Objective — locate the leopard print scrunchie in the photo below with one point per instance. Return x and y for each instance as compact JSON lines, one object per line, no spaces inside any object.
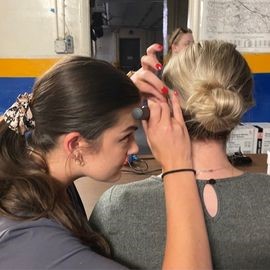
{"x":19,"y":116}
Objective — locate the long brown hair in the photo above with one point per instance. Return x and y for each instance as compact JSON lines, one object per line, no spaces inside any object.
{"x":77,"y":94}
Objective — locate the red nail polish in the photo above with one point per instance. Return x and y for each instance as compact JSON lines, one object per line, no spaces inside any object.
{"x":160,"y":47}
{"x":158,"y":66}
{"x":164,"y":90}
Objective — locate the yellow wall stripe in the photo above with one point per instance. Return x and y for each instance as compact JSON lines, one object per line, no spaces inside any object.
{"x":11,"y":67}
{"x":20,"y":67}
{"x":258,"y":62}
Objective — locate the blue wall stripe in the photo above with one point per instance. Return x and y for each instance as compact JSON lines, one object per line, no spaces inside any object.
{"x":261,"y":111}
{"x":11,"y":87}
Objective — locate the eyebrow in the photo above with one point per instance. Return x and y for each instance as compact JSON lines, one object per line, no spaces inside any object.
{"x":130,"y":128}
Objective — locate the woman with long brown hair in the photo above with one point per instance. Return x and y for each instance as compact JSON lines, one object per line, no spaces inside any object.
{"x":78,"y":122}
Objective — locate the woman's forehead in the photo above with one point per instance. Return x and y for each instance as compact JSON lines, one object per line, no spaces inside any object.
{"x":187,"y":36}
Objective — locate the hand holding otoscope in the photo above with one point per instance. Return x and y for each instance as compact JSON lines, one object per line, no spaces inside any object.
{"x":143,"y":112}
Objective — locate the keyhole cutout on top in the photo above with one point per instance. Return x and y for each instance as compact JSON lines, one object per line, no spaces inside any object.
{"x":210,"y":199}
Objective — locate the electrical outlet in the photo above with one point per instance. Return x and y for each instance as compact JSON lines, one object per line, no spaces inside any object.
{"x":65,"y":45}
{"x":60,"y":46}
{"x":69,"y":44}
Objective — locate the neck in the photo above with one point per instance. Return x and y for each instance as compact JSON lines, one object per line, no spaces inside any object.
{"x":210,"y":160}
{"x":59,"y":167}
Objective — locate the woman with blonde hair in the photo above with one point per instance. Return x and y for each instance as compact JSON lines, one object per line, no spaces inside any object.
{"x":179,"y":39}
{"x":215,"y":84}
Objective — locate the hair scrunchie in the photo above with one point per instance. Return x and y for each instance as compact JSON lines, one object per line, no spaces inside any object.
{"x":19,"y":117}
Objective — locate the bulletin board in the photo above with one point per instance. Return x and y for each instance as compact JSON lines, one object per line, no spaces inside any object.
{"x":245,"y":23}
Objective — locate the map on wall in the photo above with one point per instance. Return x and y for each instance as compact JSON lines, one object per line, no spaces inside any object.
{"x":245,"y":23}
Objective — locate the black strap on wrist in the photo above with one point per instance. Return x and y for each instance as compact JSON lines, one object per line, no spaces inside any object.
{"x":178,"y":170}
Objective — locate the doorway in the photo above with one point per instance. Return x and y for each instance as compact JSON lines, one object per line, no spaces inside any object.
{"x":129,"y":54}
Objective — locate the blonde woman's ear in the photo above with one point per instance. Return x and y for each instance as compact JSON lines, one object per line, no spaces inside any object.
{"x":174,"y":48}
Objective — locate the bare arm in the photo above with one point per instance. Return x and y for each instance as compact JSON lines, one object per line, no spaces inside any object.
{"x":187,"y":245}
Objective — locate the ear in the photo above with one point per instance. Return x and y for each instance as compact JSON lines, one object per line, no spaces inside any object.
{"x":174,"y":48}
{"x":72,"y":142}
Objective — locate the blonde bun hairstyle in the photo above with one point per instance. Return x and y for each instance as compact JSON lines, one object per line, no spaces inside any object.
{"x":215,"y":84}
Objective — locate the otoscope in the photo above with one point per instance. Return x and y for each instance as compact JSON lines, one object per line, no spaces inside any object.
{"x":143,"y":112}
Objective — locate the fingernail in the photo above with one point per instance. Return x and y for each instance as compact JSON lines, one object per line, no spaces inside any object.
{"x":160,"y":47}
{"x":158,"y":66}
{"x":164,"y":90}
{"x":175,"y":93}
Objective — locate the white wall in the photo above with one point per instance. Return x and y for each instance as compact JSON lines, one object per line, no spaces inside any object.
{"x":28,"y":27}
{"x":28,"y":30}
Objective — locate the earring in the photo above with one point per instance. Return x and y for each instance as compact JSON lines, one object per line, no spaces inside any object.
{"x":79,"y":159}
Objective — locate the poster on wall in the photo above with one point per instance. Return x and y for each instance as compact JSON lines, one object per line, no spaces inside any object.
{"x":246,"y":23}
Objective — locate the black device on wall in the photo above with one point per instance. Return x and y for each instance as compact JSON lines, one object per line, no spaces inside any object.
{"x":96,"y":26}
{"x":92,"y":3}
